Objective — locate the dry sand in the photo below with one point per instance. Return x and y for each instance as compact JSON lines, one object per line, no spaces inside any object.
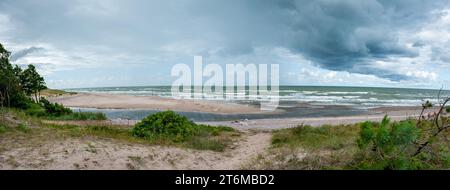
{"x":97,"y":153}
{"x":113,"y":101}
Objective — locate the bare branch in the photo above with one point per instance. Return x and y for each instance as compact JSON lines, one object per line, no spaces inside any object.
{"x":441,"y":109}
{"x":439,"y":129}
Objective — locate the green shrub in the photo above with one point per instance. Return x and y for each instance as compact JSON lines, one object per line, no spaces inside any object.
{"x":165,"y":124}
{"x":447,"y":109}
{"x":388,"y":145}
{"x":21,"y":101}
{"x":54,"y":109}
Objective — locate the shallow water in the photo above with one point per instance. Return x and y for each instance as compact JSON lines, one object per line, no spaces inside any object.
{"x":289,"y":112}
{"x":359,"y":97}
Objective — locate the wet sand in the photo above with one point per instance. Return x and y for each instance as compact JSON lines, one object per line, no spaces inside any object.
{"x":377,"y":114}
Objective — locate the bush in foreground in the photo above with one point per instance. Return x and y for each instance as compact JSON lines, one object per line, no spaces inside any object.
{"x":388,"y":145}
{"x":165,"y":124}
{"x":171,"y":127}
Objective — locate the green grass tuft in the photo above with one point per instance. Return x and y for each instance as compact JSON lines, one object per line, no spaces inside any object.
{"x":23,"y":128}
{"x":314,"y":138}
{"x":2,"y":128}
{"x":82,"y":116}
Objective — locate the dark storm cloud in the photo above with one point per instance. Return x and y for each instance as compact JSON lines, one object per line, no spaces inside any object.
{"x":339,"y":35}
{"x":22,"y":53}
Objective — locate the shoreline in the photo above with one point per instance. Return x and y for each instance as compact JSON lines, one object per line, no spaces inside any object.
{"x":281,"y":118}
{"x":123,"y":102}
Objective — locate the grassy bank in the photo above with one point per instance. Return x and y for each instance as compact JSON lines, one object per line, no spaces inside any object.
{"x":58,"y":112}
{"x":55,"y":92}
{"x":19,"y":125}
{"x":306,"y":147}
{"x":341,"y":147}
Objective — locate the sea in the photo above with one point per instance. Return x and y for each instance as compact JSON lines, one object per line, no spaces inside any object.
{"x":296,"y":101}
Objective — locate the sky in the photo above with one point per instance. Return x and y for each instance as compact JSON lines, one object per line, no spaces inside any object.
{"x":85,"y":43}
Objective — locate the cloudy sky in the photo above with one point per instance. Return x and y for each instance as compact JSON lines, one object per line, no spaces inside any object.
{"x":85,"y":43}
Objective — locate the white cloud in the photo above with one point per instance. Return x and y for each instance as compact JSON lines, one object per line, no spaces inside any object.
{"x":52,"y":59}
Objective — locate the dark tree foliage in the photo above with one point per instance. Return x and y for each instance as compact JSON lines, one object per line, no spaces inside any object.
{"x":17,"y":85}
{"x":9,"y":84}
{"x":31,"y":82}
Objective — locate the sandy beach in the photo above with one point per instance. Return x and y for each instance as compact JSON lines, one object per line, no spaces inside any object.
{"x":115,"y":101}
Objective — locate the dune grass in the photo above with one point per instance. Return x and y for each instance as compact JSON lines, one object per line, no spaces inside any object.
{"x":55,"y":92}
{"x":338,"y":147}
{"x":306,"y":147}
{"x":38,"y":111}
{"x":310,"y":148}
{"x":326,"y":137}
{"x":81,"y":116}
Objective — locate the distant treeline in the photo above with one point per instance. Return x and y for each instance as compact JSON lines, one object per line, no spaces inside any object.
{"x":18,"y":87}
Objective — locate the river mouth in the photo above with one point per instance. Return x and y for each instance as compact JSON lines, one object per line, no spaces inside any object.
{"x":288,"y":110}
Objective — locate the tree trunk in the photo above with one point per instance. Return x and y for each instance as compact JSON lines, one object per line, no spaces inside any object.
{"x":1,"y":108}
{"x":35,"y":97}
{"x":7,"y":97}
{"x":1,"y":98}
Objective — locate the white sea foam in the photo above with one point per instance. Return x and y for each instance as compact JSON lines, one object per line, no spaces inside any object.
{"x":313,"y":95}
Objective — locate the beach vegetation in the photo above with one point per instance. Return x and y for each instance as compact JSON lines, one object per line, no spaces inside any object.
{"x":54,"y":109}
{"x":2,"y":128}
{"x":17,"y":86}
{"x":203,"y":137}
{"x":80,"y":116}
{"x":414,"y":143}
{"x":165,"y":124}
{"x":30,"y":81}
{"x":22,"y":127}
{"x":388,"y":145}
{"x":55,"y":92}
{"x":21,"y":89}
{"x":170,"y":127}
